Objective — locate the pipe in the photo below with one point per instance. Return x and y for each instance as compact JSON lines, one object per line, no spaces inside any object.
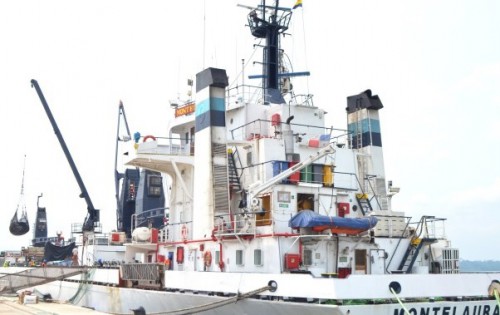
{"x":300,"y":250}
{"x":211,"y":239}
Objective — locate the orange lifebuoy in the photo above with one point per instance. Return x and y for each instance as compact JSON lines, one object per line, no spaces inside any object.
{"x":146,"y":138}
{"x":207,"y":258}
{"x":184,"y":232}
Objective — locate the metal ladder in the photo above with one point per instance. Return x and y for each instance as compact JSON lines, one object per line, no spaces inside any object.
{"x":416,"y":243}
{"x":234,"y":178}
{"x":220,"y":182}
{"x":364,"y":203}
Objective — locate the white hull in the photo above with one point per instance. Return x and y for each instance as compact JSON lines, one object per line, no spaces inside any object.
{"x":122,"y":300}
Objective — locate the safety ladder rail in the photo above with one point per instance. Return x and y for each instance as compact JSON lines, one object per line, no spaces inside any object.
{"x":234,"y":177}
{"x":401,"y":237}
{"x":360,"y":197}
{"x":416,"y":243}
{"x":369,"y":177}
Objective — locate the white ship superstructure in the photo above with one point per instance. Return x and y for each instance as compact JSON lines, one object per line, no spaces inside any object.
{"x":272,"y":212}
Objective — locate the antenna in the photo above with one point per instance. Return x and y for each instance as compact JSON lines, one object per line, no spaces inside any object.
{"x":204,"y":31}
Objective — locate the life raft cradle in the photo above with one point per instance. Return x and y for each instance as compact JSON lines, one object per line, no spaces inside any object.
{"x":20,"y":226}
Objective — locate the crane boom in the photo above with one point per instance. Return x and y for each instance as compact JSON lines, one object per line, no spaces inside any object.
{"x":254,"y":191}
{"x":92,"y":217}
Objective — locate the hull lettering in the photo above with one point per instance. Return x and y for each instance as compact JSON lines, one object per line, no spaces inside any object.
{"x":451,"y":310}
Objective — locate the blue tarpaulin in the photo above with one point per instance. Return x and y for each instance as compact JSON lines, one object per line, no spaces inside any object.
{"x":310,"y":219}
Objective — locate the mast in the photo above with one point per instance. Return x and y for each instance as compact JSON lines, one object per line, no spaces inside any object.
{"x":270,"y":26}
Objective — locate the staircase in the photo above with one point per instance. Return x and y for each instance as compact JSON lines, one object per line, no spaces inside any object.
{"x":415,"y":245}
{"x":234,"y":178}
{"x":364,"y":203}
{"x":220,"y":184}
{"x":412,"y":253}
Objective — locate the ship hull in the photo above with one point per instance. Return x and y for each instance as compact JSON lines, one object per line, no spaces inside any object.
{"x":121,"y":300}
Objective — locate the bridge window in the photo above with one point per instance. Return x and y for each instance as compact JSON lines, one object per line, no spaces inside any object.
{"x":154,"y":186}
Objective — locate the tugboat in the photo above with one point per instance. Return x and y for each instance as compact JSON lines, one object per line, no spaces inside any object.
{"x":271,"y":212}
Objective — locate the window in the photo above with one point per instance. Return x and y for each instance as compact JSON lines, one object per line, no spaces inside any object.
{"x":217,"y":257}
{"x":154,"y":180}
{"x":307,"y":257}
{"x":154,"y":191}
{"x":239,"y":257}
{"x":257,"y":257}
{"x":283,"y":196}
{"x":154,"y":186}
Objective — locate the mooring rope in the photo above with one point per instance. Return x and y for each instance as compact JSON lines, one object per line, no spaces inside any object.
{"x":400,"y":302}
{"x":209,"y":306}
{"x":83,"y":286}
{"x":495,"y":292}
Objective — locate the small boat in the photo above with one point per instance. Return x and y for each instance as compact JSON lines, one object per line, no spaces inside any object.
{"x":336,"y":224}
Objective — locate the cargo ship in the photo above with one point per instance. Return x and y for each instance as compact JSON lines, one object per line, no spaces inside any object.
{"x":272,"y":212}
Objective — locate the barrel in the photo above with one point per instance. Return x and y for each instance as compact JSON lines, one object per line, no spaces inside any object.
{"x":328,"y":175}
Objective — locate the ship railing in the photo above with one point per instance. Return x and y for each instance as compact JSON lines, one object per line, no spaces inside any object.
{"x":176,"y":231}
{"x":146,"y":218}
{"x":244,"y":223}
{"x":303,"y":99}
{"x":77,"y":228}
{"x":239,"y":95}
{"x":244,"y":94}
{"x":262,"y":128}
{"x":429,"y":227}
{"x":165,"y":145}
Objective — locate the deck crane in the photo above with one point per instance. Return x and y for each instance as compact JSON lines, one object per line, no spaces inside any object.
{"x":92,"y":219}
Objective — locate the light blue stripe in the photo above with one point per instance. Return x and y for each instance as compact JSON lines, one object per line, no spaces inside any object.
{"x":375,"y":123}
{"x":213,"y":103}
{"x":202,"y":107}
{"x":365,"y":126}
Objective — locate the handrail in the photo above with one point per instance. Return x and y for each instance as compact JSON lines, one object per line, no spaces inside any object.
{"x":147,"y":215}
{"x":397,"y":245}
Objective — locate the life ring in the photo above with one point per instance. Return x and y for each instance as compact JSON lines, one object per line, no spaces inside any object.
{"x":184,"y":232}
{"x":207,"y":258}
{"x":149,"y":137}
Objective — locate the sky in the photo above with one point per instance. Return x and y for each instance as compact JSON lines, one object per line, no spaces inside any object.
{"x":434,"y":64}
